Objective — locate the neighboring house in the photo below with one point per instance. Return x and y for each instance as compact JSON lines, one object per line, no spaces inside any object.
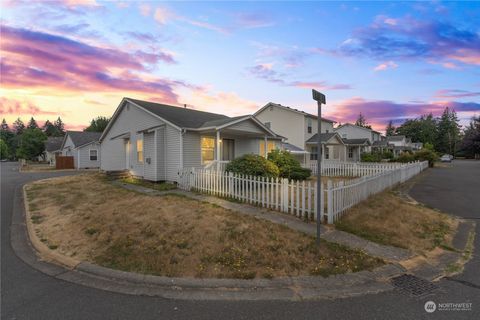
{"x":358,"y":139}
{"x":417,"y":146}
{"x":400,"y":144}
{"x":84,"y":147}
{"x":53,"y":148}
{"x":298,"y":127}
{"x":153,"y":141}
{"x":333,"y":147}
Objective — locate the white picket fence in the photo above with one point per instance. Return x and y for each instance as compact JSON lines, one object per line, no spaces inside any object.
{"x":351,"y":169}
{"x":295,"y":197}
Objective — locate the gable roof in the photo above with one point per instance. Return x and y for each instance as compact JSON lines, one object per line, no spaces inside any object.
{"x":324,"y":138}
{"x":354,"y":125}
{"x":364,"y":141}
{"x":293,"y":149}
{"x":53,"y":144}
{"x":395,"y":138}
{"x":80,"y":138}
{"x":271,"y":104}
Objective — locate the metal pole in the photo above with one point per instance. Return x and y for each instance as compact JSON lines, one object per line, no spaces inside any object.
{"x":319,"y":169}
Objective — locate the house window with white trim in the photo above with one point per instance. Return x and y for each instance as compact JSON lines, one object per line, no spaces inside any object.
{"x":314,"y":153}
{"x":93,"y":155}
{"x":140,"y":150}
{"x":208,"y":149}
{"x":309,"y":125}
{"x":327,"y":153}
{"x":270,"y":146}
{"x":350,"y":152}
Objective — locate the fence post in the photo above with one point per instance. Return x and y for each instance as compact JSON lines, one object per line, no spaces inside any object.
{"x":330,"y":201}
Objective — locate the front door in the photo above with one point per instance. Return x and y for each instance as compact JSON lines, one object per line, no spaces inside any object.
{"x":228,"y":149}
{"x":128,"y":146}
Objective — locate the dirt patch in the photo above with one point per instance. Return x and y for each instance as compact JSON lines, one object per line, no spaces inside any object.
{"x":388,"y":219}
{"x":88,"y":218}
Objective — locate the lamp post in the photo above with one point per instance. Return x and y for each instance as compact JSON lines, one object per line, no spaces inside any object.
{"x":320,"y":98}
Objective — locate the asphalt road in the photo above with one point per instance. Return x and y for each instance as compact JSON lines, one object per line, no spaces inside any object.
{"x":29,"y":294}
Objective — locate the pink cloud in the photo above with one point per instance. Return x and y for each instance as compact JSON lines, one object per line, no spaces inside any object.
{"x":18,"y":108}
{"x":449,"y":93}
{"x":385,"y":66}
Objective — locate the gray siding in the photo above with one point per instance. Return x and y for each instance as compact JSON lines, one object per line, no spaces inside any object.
{"x":192,"y":150}
{"x":247,"y":125}
{"x":173,"y":154}
{"x":161,"y":151}
{"x":149,"y":153}
{"x":83,"y":160}
{"x":130,"y":120}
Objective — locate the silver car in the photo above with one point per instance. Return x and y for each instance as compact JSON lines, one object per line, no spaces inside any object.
{"x":446,"y":158}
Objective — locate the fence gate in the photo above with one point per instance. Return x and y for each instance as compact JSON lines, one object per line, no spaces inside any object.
{"x":64,"y":162}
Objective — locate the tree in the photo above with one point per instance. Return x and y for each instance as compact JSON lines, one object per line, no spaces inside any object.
{"x":98,"y":124}
{"x":32,"y":124}
{"x":471,"y":139}
{"x":448,"y":132}
{"x":50,"y":129}
{"x":4,"y":152}
{"x":362,"y":122}
{"x":60,"y":127}
{"x":4,"y":126}
{"x":31,"y":144}
{"x":8,"y":138}
{"x":423,"y":129}
{"x":18,"y":126}
{"x":390,"y":129}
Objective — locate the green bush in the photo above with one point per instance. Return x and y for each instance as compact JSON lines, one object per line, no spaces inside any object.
{"x":405,"y":157}
{"x":387,"y":154}
{"x":253,"y":165}
{"x":370,"y":157}
{"x":289,"y":167}
{"x":426,"y":155}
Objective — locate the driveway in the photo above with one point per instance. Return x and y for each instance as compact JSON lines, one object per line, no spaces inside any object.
{"x":29,"y":294}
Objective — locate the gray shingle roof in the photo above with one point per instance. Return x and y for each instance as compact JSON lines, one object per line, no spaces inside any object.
{"x":80,"y":138}
{"x":356,"y":141}
{"x":324,"y":137}
{"x":395,"y":138}
{"x":182,"y":117}
{"x":380,"y":143}
{"x":295,"y":110}
{"x":292,"y":148}
{"x":53,"y":144}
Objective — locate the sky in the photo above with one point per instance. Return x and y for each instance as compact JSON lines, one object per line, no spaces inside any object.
{"x":77,"y":59}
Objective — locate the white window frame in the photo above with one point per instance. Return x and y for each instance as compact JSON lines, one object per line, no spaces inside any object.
{"x":140,"y":138}
{"x":90,"y":154}
{"x":309,"y":125}
{"x":203,"y":162}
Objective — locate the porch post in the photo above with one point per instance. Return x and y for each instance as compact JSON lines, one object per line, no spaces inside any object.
{"x":345,"y":153}
{"x":323,"y":153}
{"x":266,"y":148}
{"x":359,"y":156}
{"x":217,"y":147}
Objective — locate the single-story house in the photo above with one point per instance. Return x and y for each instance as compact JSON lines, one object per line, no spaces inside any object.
{"x":355,"y":148}
{"x":333,"y":147}
{"x":53,"y":148}
{"x":84,"y":147}
{"x":154,"y":141}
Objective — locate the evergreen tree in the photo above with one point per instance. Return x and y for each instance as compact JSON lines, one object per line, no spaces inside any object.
{"x":18,"y":126}
{"x":50,"y":129}
{"x":362,"y":122}
{"x":471,"y":138}
{"x":31,"y":144}
{"x":448,"y":132}
{"x":60,"y":127}
{"x":390,"y":129}
{"x":4,"y":126}
{"x":32,"y":124}
{"x":98,"y":124}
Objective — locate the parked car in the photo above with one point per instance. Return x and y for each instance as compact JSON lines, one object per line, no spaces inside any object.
{"x":446,"y":158}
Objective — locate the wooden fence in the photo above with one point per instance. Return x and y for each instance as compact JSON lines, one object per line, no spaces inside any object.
{"x":64,"y":162}
{"x":295,"y":197}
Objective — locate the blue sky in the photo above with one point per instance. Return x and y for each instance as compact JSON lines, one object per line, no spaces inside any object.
{"x":388,"y":60}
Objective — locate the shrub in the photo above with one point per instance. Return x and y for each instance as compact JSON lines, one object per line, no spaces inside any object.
{"x":387,"y":154}
{"x":254,"y":165}
{"x":370,"y":157}
{"x":426,"y":155}
{"x":289,"y":167}
{"x":405,"y":157}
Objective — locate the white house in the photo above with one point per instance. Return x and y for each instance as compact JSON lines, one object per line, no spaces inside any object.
{"x":357,"y":139}
{"x":153,"y":141}
{"x":400,"y":144}
{"x":299,"y":128}
{"x":53,"y":149}
{"x":84,"y":147}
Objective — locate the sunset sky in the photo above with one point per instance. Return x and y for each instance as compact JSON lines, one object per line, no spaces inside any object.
{"x":77,"y":59}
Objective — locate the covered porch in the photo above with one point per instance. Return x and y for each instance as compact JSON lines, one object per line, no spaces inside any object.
{"x":333,"y":148}
{"x":355,"y":147}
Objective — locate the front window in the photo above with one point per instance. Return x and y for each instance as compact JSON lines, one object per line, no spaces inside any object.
{"x":270,"y":146}
{"x":327,"y":153}
{"x":309,"y":125}
{"x":93,"y":155}
{"x":314,"y":153}
{"x":350,"y":152}
{"x":208,"y":149}
{"x":140,"y":150}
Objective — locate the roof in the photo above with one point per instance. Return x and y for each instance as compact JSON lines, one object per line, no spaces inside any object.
{"x":182,"y":117}
{"x":380,"y":143}
{"x":292,"y":148}
{"x":80,"y":138}
{"x":324,"y":137}
{"x":53,"y":144}
{"x":271,"y":104}
{"x":354,"y":125}
{"x":395,"y":138}
{"x":356,"y":141}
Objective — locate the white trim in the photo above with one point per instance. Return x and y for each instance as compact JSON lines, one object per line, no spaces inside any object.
{"x":181,"y":148}
{"x":78,"y":159}
{"x":89,"y":155}
{"x":155,"y":134}
{"x":271,"y":104}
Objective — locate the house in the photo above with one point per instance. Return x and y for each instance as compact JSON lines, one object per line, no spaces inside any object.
{"x":400,"y":144}
{"x":84,"y":147}
{"x":153,"y":141}
{"x":53,"y":148}
{"x":358,"y":139}
{"x":299,"y":128}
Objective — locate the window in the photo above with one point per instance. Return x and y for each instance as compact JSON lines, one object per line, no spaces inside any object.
{"x":270,"y":146}
{"x":350,"y":152}
{"x":327,"y":153}
{"x":93,"y":155}
{"x":309,"y":125}
{"x":268,"y":125}
{"x":314,"y":153}
{"x":208,"y":149}
{"x":344,"y":135}
{"x":140,"y":150}
{"x":326,"y":131}
{"x":228,"y":149}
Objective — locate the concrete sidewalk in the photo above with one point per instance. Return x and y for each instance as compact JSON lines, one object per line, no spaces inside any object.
{"x":387,"y":253}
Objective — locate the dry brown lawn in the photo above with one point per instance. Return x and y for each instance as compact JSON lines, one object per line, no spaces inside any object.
{"x":387,"y":218}
{"x":37,"y":167}
{"x":89,"y":219}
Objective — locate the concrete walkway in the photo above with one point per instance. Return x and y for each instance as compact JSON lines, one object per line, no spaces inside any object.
{"x":387,"y":253}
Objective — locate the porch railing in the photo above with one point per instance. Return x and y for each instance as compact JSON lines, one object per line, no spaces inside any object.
{"x":216,"y":165}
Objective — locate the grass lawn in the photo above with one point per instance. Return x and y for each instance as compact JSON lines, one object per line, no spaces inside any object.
{"x":35,"y":167}
{"x":87,"y":218}
{"x":161,"y":186}
{"x":388,"y":219}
